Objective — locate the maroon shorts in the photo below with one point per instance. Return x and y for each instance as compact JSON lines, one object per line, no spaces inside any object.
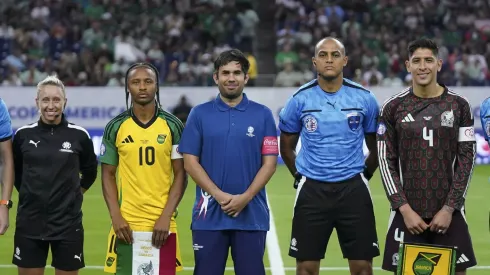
{"x":456,"y":235}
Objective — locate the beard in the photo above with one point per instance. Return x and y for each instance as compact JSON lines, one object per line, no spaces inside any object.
{"x":230,"y":94}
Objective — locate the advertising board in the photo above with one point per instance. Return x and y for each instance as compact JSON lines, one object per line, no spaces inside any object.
{"x":93,"y":107}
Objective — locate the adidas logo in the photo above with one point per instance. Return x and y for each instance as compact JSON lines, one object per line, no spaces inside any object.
{"x":128,"y":139}
{"x":462,"y":259}
{"x":408,"y":118}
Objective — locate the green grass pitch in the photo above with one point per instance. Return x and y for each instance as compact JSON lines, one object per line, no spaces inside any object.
{"x":281,"y":198}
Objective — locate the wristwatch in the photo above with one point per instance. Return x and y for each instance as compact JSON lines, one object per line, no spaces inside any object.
{"x":7,"y":203}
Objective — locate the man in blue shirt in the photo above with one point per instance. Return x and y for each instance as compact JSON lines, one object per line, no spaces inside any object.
{"x":333,"y":116}
{"x":485,"y":119}
{"x":8,"y":166}
{"x":230,"y":149}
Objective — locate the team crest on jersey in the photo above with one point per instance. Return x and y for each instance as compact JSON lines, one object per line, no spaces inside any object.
{"x":447,"y":119}
{"x":310,"y":123}
{"x":354,"y":120}
{"x":381,"y":129}
{"x":161,"y":138}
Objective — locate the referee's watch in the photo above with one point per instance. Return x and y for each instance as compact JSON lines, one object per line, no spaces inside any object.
{"x":7,"y":203}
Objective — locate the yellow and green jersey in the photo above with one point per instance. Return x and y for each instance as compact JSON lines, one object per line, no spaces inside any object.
{"x":143,"y":154}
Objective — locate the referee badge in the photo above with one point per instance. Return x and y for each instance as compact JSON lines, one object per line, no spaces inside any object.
{"x":310,"y":123}
{"x":487,"y":127}
{"x":354,"y":120}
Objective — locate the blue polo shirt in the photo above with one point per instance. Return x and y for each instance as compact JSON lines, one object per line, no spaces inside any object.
{"x":485,"y":118}
{"x":230,"y":143}
{"x":5,"y":122}
{"x":332,"y":128}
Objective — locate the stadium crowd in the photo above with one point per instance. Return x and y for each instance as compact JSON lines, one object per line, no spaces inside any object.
{"x":376,"y":33}
{"x":92,"y":42}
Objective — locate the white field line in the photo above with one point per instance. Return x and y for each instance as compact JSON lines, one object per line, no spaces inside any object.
{"x":273,"y":249}
{"x":337,"y":268}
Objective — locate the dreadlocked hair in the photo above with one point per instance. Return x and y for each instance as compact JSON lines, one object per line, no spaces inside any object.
{"x":142,"y":65}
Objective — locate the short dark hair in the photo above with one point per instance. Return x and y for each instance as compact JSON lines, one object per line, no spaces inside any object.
{"x":230,"y":56}
{"x":423,"y":43}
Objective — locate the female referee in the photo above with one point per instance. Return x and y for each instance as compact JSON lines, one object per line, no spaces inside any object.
{"x":54,"y":164}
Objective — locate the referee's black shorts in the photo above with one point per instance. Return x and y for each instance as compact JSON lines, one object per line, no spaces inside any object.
{"x":320,"y":207}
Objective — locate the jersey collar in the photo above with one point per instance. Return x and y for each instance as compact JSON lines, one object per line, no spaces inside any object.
{"x":63,"y":122}
{"x":446,"y":90}
{"x":141,"y":124}
{"x":222,"y":106}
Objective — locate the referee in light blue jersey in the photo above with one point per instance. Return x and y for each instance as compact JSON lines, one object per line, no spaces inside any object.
{"x":6,"y":156}
{"x":485,"y":119}
{"x":333,"y":116}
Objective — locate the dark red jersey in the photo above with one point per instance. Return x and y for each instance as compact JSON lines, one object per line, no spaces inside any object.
{"x":426,"y":149}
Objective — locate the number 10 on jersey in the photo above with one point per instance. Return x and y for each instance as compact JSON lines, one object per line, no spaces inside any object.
{"x":428,"y":135}
{"x":146,"y":155}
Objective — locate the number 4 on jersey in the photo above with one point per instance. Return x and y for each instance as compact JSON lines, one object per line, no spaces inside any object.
{"x":429,"y":136}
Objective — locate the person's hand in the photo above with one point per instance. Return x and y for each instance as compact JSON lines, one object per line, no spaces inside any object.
{"x":297,"y":179}
{"x":414,"y":223}
{"x":236,"y":205}
{"x":160,"y":231}
{"x":441,"y":221}
{"x":4,"y":219}
{"x":122,"y":229}
{"x":223,"y":198}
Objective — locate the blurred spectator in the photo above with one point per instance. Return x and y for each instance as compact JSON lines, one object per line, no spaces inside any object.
{"x":116,"y":79}
{"x":289,"y":76}
{"x":377,"y":32}
{"x":32,"y":76}
{"x":248,"y":19}
{"x":373,"y":76}
{"x":13,"y":79}
{"x":392,"y":80}
{"x":253,"y":70}
{"x":92,"y":42}
{"x":286,"y":55}
{"x":182,"y":109}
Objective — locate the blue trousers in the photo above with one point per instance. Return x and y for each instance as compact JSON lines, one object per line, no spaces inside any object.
{"x":211,"y":251}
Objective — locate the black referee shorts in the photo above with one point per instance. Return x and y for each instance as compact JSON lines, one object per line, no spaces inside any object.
{"x":320,"y":207}
{"x":67,"y":254}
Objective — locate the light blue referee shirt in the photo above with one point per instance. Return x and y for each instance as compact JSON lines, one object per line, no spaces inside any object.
{"x":332,"y":128}
{"x":485,"y":118}
{"x":5,"y":123}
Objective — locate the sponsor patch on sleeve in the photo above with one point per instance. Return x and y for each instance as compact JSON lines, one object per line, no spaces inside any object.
{"x":270,"y":146}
